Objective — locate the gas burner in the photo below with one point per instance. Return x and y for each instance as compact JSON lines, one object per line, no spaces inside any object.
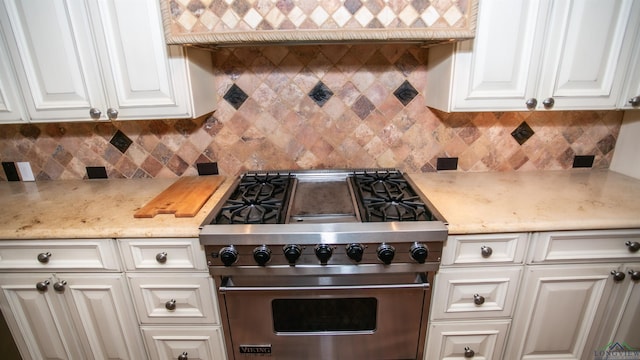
{"x":258,"y":199}
{"x":386,"y":196}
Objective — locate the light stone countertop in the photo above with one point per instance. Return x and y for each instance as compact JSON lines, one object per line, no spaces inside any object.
{"x":470,"y":202}
{"x":67,"y":209}
{"x":490,"y":202}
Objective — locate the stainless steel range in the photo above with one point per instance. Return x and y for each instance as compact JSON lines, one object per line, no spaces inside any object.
{"x":324,"y":264}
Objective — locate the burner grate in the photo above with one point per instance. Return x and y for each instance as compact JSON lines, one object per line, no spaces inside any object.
{"x":259,"y":199}
{"x":387,"y":196}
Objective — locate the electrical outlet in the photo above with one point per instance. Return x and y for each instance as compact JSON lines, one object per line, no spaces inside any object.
{"x":24,"y":168}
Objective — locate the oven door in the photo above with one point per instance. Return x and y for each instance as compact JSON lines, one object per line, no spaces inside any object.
{"x":327,"y":317}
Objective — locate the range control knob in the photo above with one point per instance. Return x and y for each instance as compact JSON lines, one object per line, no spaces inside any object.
{"x":419,"y":252}
{"x":262,"y":255}
{"x":323,"y":252}
{"x":355,"y":251}
{"x":292,"y":252}
{"x":228,"y":255}
{"x":386,"y":253}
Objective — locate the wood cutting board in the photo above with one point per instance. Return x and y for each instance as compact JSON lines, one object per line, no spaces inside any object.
{"x":183,"y":198}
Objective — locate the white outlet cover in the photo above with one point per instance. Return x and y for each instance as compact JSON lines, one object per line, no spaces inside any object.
{"x":24,"y":168}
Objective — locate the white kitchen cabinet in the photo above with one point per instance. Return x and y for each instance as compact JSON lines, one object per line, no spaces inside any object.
{"x":537,"y":54}
{"x":175,"y":298}
{"x":182,"y":343}
{"x":11,"y":107}
{"x":630,"y":98}
{"x":467,"y":340}
{"x":474,"y":295}
{"x":69,"y":300}
{"x":103,"y":59}
{"x":578,"y":295}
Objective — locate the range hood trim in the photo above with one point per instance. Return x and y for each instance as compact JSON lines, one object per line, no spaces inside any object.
{"x":423,"y":36}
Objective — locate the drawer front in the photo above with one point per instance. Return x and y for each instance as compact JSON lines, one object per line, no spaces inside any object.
{"x":174,"y":299}
{"x":484,"y":249}
{"x":48,"y":255}
{"x":202,"y":343}
{"x":578,"y":246}
{"x":478,"y":340}
{"x":163,"y":254}
{"x":475,"y":293}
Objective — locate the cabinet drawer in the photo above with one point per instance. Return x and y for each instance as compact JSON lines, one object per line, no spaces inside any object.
{"x":577,"y":246}
{"x":174,"y":299}
{"x":450,"y":340}
{"x":475,"y":293}
{"x":203,"y":343}
{"x":160,"y":254}
{"x":47,"y":255}
{"x":484,"y":249}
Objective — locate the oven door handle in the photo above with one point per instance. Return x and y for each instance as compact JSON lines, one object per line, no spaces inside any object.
{"x":227,"y":285}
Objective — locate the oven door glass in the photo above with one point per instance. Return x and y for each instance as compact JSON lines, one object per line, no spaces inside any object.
{"x":324,"y":315}
{"x":326,"y":322}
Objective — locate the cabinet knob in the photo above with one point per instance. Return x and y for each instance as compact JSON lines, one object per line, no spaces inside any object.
{"x":171,"y":304}
{"x":617,"y":275}
{"x":468,"y":353}
{"x":633,"y":246}
{"x":479,"y":299}
{"x":635,"y":101}
{"x":531,"y":103}
{"x":486,"y":251}
{"x":635,"y":275}
{"x":43,"y":285}
{"x":59,"y":286}
{"x":183,"y":356}
{"x":44,"y":257}
{"x":95,"y":113}
{"x":161,"y":257}
{"x":548,"y":103}
{"x":112,"y":113}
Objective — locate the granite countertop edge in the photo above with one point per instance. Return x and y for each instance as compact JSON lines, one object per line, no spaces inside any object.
{"x":471,"y":203}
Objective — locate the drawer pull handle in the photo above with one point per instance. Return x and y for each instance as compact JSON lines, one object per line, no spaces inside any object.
{"x":548,"y":103}
{"x":44,"y":257}
{"x":633,"y":246}
{"x":161,"y":257}
{"x":531,"y":103}
{"x":486,"y":251}
{"x":635,"y":275}
{"x":43,"y":285}
{"x":635,"y":101}
{"x":468,"y":353}
{"x":183,"y":356}
{"x":617,"y":275}
{"x":59,"y":286}
{"x":478,"y":299}
{"x":171,"y":304}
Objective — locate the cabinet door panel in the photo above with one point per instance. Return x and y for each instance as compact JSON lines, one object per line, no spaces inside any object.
{"x":104,"y":315}
{"x":558,"y":308}
{"x":144,"y":77}
{"x":39,"y":322}
{"x":11,"y":109}
{"x":60,"y":74}
{"x":586,"y":53}
{"x":498,"y":69}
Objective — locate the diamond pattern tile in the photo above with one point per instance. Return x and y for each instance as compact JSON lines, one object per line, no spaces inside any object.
{"x":268,"y":120}
{"x":320,"y":94}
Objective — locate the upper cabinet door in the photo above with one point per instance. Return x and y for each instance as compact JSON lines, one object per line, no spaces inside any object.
{"x":142,"y":79}
{"x":630,"y":98}
{"x":586,"y":53}
{"x":11,"y":108}
{"x":499,"y":68}
{"x":537,"y":55}
{"x":54,"y":57}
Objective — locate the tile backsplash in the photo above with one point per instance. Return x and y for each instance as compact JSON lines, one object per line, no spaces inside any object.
{"x":316,"y":107}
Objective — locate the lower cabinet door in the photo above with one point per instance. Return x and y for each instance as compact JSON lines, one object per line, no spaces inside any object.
{"x":558,"y":309}
{"x":451,"y":340}
{"x":192,"y":343}
{"x":38,"y":320}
